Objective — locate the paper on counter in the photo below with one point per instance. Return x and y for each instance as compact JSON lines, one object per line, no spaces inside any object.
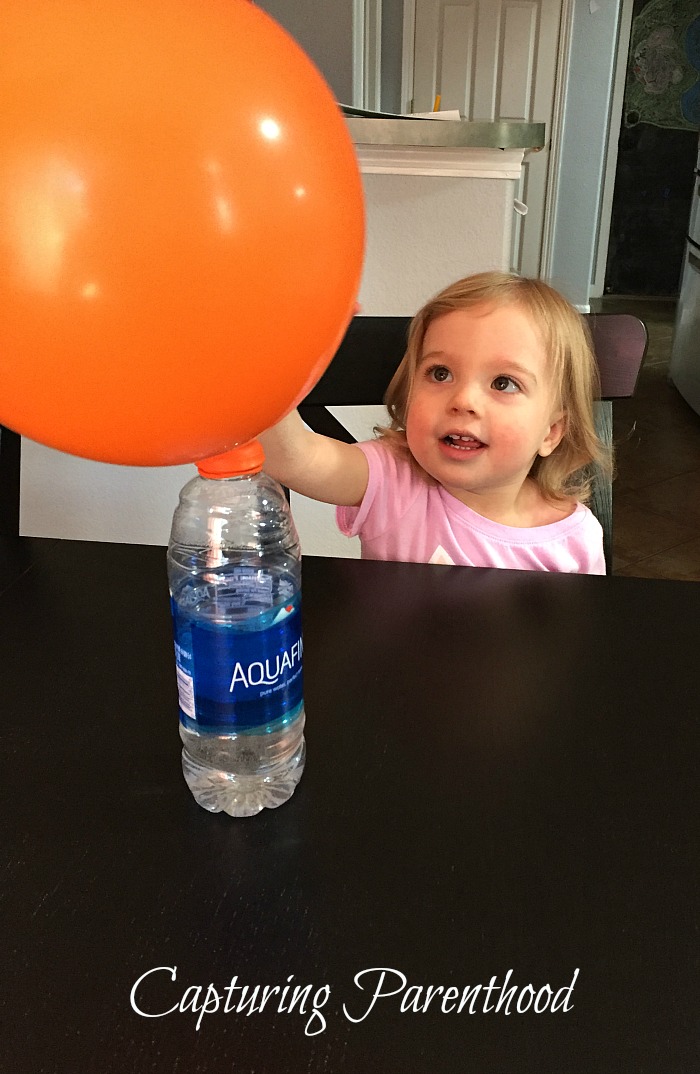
{"x":446,"y":113}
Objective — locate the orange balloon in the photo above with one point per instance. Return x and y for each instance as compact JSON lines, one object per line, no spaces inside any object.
{"x":181,"y":226}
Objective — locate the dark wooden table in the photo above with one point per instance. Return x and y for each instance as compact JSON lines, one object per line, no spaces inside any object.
{"x":501,"y":788}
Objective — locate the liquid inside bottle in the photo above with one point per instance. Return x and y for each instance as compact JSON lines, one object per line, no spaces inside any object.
{"x":238,"y":646}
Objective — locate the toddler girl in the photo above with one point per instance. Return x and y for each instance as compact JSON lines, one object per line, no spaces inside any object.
{"x":485,"y":461}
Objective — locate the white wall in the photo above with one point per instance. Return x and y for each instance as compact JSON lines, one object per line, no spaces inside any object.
{"x":324,"y":29}
{"x":76,"y":499}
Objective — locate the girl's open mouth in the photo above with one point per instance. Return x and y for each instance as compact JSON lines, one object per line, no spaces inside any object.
{"x":462,"y":443}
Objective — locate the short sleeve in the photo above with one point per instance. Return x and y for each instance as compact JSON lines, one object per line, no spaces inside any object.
{"x":391,"y":488}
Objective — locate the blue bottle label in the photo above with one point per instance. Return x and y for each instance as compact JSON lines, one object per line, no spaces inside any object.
{"x":233,"y":680}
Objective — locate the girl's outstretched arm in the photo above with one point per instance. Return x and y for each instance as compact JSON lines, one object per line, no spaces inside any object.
{"x":314,"y":465}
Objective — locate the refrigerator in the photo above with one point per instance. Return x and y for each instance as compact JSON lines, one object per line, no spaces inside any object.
{"x":684,"y":369}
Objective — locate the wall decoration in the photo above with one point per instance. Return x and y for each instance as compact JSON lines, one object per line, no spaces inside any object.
{"x":663,"y":74}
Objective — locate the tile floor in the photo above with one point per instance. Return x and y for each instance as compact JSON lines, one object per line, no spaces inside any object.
{"x":656,"y":494}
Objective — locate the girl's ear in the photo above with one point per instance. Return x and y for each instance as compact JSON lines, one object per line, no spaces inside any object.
{"x":554,"y":436}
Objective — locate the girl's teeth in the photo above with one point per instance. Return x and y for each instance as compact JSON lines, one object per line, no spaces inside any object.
{"x":465,"y":443}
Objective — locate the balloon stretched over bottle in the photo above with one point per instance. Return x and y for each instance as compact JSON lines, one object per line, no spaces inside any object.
{"x":181,"y":226}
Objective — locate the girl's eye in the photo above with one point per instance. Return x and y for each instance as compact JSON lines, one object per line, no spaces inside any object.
{"x":505,"y":384}
{"x":438,"y":373}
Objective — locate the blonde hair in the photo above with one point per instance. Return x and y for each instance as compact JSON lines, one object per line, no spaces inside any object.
{"x":566,"y":474}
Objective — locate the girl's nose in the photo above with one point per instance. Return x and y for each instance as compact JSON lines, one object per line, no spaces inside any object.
{"x":465,"y":398}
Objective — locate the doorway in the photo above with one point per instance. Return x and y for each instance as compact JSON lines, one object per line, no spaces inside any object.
{"x":657,"y":151}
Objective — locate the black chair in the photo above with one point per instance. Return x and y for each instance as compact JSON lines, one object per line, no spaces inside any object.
{"x":360,"y":373}
{"x":10,"y":447}
{"x":620,"y":344}
{"x":373,"y":347}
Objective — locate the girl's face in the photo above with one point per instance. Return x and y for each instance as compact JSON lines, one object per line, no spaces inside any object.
{"x":482,"y":406}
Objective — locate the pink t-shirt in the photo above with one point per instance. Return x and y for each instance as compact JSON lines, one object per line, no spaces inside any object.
{"x":404,"y":517}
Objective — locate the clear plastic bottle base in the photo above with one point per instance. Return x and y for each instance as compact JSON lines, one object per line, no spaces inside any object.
{"x":243,"y":796}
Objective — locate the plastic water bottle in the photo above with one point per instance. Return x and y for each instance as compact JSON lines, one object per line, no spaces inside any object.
{"x":234,"y":569}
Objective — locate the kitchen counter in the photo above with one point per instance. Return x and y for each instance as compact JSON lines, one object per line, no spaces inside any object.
{"x":406,"y":131}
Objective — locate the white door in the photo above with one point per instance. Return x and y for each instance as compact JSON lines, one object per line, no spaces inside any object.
{"x":495,"y":59}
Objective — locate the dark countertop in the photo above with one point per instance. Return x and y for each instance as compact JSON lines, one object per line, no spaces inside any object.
{"x":502,"y":782}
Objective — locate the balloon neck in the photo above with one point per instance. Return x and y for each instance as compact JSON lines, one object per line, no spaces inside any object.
{"x":244,"y":459}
